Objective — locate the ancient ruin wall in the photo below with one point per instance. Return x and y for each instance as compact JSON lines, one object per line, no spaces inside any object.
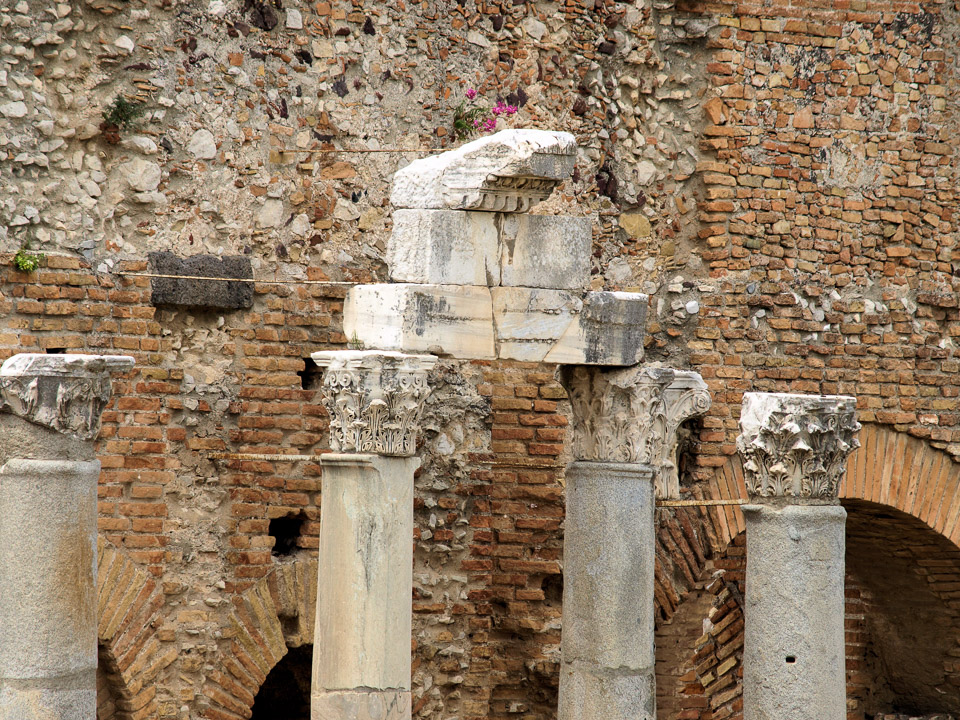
{"x":780,"y":178}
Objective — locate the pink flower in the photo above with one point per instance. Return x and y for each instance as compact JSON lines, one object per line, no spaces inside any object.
{"x":471,"y":93}
{"x":490,"y":124}
{"x":501,"y":108}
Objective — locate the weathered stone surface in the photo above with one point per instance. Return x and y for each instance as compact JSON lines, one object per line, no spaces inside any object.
{"x":506,"y":172}
{"x":363,"y":620}
{"x":589,"y":694}
{"x":609,"y":331}
{"x":374,"y":399}
{"x":794,"y":653}
{"x":686,"y":397}
{"x":458,"y":247}
{"x":608,"y":600}
{"x":545,"y":251}
{"x":201,"y":293}
{"x":48,"y":596}
{"x":361,"y":705}
{"x":453,"y":320}
{"x":796,"y":446}
{"x":530,"y":324}
{"x":64,"y":392}
{"x":602,"y":328}
{"x":618,"y":415}
{"x":445,"y":247}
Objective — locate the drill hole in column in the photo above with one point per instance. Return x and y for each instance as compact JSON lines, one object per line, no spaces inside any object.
{"x":791,"y":659}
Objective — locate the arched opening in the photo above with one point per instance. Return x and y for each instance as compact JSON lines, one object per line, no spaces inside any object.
{"x":902,"y":626}
{"x":902,"y":656}
{"x":110,"y":694}
{"x":286,"y":691}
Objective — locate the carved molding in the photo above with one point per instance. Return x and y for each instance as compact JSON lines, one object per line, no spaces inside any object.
{"x":67,"y":393}
{"x":686,"y":397}
{"x":796,"y":446}
{"x":632,"y":415}
{"x":374,"y":399}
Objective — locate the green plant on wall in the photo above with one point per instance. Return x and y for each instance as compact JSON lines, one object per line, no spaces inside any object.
{"x":25,"y":261}
{"x":120,"y":114}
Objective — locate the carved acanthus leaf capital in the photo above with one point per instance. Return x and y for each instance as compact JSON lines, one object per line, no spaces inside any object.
{"x":64,"y":392}
{"x":374,"y":399}
{"x":631,"y":415}
{"x":796,"y":446}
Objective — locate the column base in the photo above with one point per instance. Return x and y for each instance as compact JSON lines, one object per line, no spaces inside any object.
{"x":360,"y":705}
{"x":591,"y":693}
{"x":19,"y":703}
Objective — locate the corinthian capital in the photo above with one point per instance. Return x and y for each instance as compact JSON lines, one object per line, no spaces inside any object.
{"x":796,"y":446}
{"x":374,"y":399}
{"x":64,"y":392}
{"x":632,"y":415}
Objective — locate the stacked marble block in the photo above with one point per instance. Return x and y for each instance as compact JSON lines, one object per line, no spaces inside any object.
{"x":476,"y":276}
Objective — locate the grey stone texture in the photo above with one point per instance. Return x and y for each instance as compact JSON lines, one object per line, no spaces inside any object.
{"x":444,"y":247}
{"x":361,"y":705}
{"x":607,"y":669}
{"x":48,"y":596}
{"x":545,"y":251}
{"x":213,"y":294}
{"x":364,"y":586}
{"x":50,"y":408}
{"x":794,"y":652}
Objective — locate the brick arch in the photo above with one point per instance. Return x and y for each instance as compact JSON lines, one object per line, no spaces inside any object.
{"x":889,"y":468}
{"x":275,"y":613}
{"x":129,"y":604}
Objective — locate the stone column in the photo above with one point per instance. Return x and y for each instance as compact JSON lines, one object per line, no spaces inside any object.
{"x":361,"y":656}
{"x":50,"y":408}
{"x":624,"y":427}
{"x":794,"y":450}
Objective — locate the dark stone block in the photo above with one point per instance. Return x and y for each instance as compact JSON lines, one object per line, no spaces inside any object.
{"x":217,"y":294}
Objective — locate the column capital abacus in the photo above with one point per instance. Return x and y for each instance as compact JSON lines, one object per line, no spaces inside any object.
{"x":64,"y":392}
{"x":795,"y":447}
{"x":631,"y":415}
{"x":374,"y":399}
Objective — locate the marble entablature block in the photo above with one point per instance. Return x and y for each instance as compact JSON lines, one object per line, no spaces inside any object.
{"x":454,"y":247}
{"x":509,"y":323}
{"x":506,"y":172}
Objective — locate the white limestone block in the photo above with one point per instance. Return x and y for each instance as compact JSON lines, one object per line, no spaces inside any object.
{"x":556,"y":326}
{"x":545,"y":251}
{"x":444,"y":247}
{"x":453,"y":320}
{"x":505,"y":172}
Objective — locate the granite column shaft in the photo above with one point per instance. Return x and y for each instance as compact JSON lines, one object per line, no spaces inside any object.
{"x":794,"y":449}
{"x":50,"y":408}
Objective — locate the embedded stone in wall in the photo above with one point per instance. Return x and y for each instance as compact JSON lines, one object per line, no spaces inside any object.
{"x":453,"y":320}
{"x":188,"y":292}
{"x":445,"y":247}
{"x":545,"y":251}
{"x":506,"y":172}
{"x":510,"y":323}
